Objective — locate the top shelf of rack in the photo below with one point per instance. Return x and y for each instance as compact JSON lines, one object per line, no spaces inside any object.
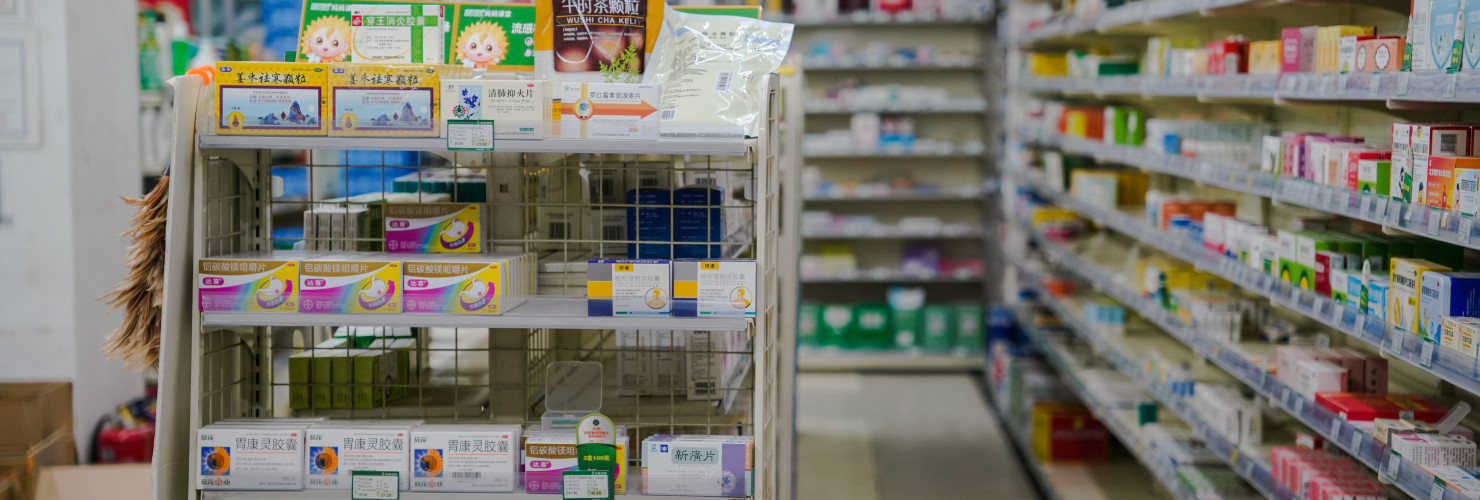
{"x":882,"y":21}
{"x":1153,"y":11}
{"x":666,"y":146}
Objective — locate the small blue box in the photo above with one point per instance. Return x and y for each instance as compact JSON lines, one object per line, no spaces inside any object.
{"x":1446,"y":294}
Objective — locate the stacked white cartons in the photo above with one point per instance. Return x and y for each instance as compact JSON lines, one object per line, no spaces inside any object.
{"x":336,"y":450}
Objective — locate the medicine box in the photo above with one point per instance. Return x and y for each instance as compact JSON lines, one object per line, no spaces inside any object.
{"x":407,"y":363}
{"x":1435,"y":140}
{"x":462,"y":286}
{"x":1467,"y":34}
{"x":721,"y":287}
{"x":1264,"y":57}
{"x":1328,"y":45}
{"x":465,"y":458}
{"x":1445,"y":173}
{"x":494,"y":37}
{"x":1403,"y":302}
{"x":618,"y":287}
{"x":374,"y":32}
{"x":337,"y":450}
{"x":248,"y":283}
{"x":1269,"y":159}
{"x":1346,"y":53}
{"x":1458,"y":335}
{"x":1446,"y":294}
{"x":520,"y":109}
{"x":1379,"y":54}
{"x":546,"y":456}
{"x":350,"y":283}
{"x":250,"y":457}
{"x":384,"y":100}
{"x":1319,"y":376}
{"x":434,"y":227}
{"x":1401,"y":184}
{"x":270,"y":98}
{"x":1373,"y":176}
{"x":1298,"y":50}
{"x":609,"y":110}
{"x":1433,"y":449}
{"x":1432,"y":34}
{"x":1366,"y":407}
{"x":698,"y":465}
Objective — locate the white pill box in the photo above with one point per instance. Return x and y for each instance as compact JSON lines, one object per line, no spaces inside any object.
{"x":250,"y":456}
{"x":336,"y":450}
{"x":697,"y":465}
{"x":622,"y":287}
{"x":465,"y":458}
{"x":520,"y":109}
{"x":719,"y":287}
{"x":1434,"y":449}
{"x":609,"y":110}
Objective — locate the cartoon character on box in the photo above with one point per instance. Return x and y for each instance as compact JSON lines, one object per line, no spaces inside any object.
{"x":482,"y":44}
{"x":326,"y":40}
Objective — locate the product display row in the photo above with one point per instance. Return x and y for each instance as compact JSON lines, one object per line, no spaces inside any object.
{"x":905,"y":322}
{"x":918,"y":262}
{"x":316,"y":454}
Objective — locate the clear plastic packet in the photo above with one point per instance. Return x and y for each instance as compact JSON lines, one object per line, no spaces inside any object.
{"x":712,"y":68}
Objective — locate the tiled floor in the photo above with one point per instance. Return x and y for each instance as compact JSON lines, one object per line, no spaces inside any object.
{"x":887,"y":437}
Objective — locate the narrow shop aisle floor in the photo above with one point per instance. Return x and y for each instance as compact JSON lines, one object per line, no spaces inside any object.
{"x":890,"y":436}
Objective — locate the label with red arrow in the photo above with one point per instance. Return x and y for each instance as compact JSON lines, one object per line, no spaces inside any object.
{"x":609,"y":110}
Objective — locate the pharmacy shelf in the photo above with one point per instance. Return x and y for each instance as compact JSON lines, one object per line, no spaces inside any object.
{"x":896,"y":197}
{"x":537,"y":312}
{"x":862,"y":20}
{"x":974,"y":66}
{"x":886,"y":155}
{"x":416,"y":495}
{"x":833,"y":360}
{"x":1451,"y":367}
{"x":896,"y":235}
{"x":828,"y":110}
{"x":666,"y":146}
{"x":1442,"y":225}
{"x":1248,"y":464}
{"x":865,"y":278}
{"x":1130,"y":13}
{"x":1393,"y":88}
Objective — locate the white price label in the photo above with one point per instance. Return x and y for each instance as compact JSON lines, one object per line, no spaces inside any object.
{"x":1393,"y":463}
{"x":1395,"y":342}
{"x":1437,"y":491}
{"x":1299,"y":405}
{"x":1341,"y":82}
{"x":1466,"y":224}
{"x":1367,"y":205}
{"x":375,"y":485}
{"x":1427,"y":354}
{"x":1358,"y":439}
{"x":470,"y":135}
{"x":1335,"y":428}
{"x":1434,"y":217}
{"x":592,"y":484}
{"x":1451,"y":86}
{"x":1403,"y":81}
{"x":1374,"y":84}
{"x":1285,"y":397}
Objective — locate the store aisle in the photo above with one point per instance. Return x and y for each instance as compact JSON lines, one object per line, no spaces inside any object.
{"x":886,"y":437}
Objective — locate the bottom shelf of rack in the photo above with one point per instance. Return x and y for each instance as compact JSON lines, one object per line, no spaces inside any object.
{"x":418,"y":495}
{"x":812,"y":360}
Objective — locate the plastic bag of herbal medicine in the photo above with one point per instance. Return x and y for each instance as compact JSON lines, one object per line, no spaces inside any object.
{"x":712,"y":69}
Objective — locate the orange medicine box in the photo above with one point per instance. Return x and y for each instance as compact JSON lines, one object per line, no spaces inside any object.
{"x":1442,"y":171}
{"x":1379,"y":54}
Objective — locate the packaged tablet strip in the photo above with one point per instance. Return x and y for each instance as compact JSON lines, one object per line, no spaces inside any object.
{"x":267,"y":98}
{"x":266,"y":455}
{"x":337,"y":449}
{"x":617,"y":287}
{"x":249,"y":282}
{"x":721,"y":287}
{"x":697,"y":465}
{"x":434,"y":228}
{"x":351,"y":283}
{"x":1433,"y":449}
{"x":465,"y":458}
{"x":384,"y":100}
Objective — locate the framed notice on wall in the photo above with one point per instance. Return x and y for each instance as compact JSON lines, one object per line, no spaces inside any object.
{"x":20,"y":114}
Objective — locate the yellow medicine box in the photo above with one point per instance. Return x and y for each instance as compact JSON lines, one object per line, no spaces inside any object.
{"x":270,"y":98}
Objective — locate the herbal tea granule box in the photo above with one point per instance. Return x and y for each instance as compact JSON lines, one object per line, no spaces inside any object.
{"x":336,"y":450}
{"x":465,"y":458}
{"x":1406,"y":277}
{"x":384,"y":100}
{"x":721,"y":287}
{"x":374,"y":32}
{"x":617,"y":287}
{"x":434,"y":227}
{"x":248,"y":283}
{"x":1446,"y":294}
{"x":609,"y":110}
{"x":347,"y":284}
{"x":267,"y":456}
{"x":520,"y":109}
{"x":697,"y":465}
{"x":494,"y":37}
{"x":455,"y":287}
{"x":269,"y":98}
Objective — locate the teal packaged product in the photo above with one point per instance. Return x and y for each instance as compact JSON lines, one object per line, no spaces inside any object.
{"x":969,"y":328}
{"x":871,"y":327}
{"x":837,"y":322}
{"x":1378,"y":290}
{"x":904,"y":306}
{"x":1444,"y":294}
{"x":809,"y":323}
{"x":938,"y":325}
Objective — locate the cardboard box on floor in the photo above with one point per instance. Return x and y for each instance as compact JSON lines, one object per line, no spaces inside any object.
{"x":113,"y":482}
{"x":22,"y":465}
{"x":31,"y":412}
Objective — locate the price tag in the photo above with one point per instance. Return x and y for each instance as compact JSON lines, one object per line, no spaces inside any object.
{"x":1358,"y":439}
{"x":1395,"y":342}
{"x":1335,"y":428}
{"x":1403,"y":81}
{"x":1393,"y":463}
{"x":375,"y":485}
{"x":1374,"y":84}
{"x":1233,"y":456}
{"x":1299,"y":405}
{"x":1341,"y":81}
{"x":585,"y":484}
{"x":1434,"y":217}
{"x":1451,"y":87}
{"x":1285,"y":397}
{"x":470,"y":135}
{"x":1437,"y":491}
{"x":1427,"y":354}
{"x":1466,"y":224}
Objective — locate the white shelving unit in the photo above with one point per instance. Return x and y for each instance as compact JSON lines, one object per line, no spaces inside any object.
{"x":228,"y":196}
{"x":957,"y":123}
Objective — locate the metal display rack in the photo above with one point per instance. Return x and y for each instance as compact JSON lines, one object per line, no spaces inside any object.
{"x":242,"y":194}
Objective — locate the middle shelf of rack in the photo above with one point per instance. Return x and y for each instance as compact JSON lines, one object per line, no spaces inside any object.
{"x":1438,"y":224}
{"x":1408,"y":348}
{"x":536,"y":312}
{"x":1391,"y":88}
{"x":724,"y":146}
{"x":835,"y":360}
